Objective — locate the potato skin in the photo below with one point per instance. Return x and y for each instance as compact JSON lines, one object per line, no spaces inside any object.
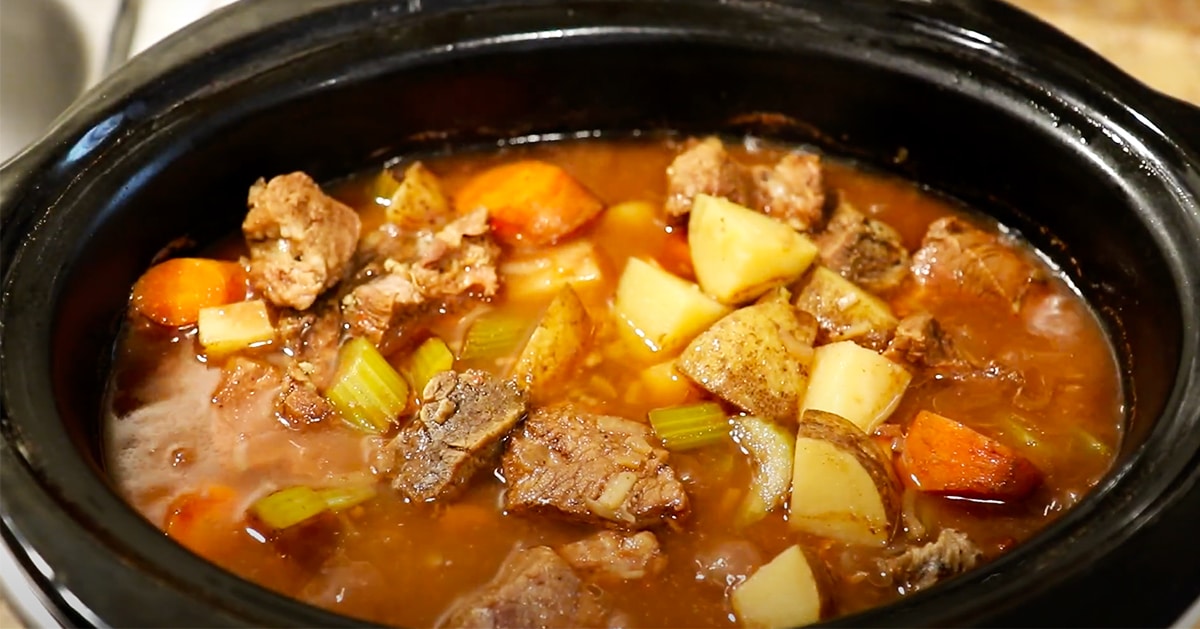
{"x":556,"y":345}
{"x":757,"y":357}
{"x":847,"y":437}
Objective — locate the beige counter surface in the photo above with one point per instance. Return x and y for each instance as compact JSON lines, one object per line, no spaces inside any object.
{"x":1157,"y":41}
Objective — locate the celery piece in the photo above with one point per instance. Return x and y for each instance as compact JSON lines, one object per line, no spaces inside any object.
{"x":1018,"y":428}
{"x":342,"y":498}
{"x":690,"y":426}
{"x":494,"y":335}
{"x":1093,"y":444}
{"x":772,"y":449}
{"x":288,"y":507}
{"x":429,"y":359}
{"x":366,"y":390}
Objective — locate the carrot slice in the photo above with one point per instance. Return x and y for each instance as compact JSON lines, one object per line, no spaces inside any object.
{"x":173,"y":292}
{"x":676,"y":256}
{"x":202,"y":521}
{"x":945,"y":457}
{"x":529,"y":201}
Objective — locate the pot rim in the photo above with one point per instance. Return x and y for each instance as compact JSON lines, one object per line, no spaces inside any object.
{"x":95,"y":124}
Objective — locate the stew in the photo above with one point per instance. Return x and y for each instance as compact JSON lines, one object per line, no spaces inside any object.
{"x":654,"y":382}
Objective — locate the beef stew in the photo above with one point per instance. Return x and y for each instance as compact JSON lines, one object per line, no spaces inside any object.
{"x":646,"y":383}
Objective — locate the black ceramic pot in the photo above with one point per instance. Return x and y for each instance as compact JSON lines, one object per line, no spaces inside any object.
{"x":982,"y":101}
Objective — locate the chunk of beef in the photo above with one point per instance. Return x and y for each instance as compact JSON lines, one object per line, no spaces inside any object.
{"x":791,"y":190}
{"x":920,"y":341}
{"x":591,"y":468}
{"x":244,"y":401}
{"x":704,"y":167}
{"x":457,"y":432}
{"x":952,"y":553}
{"x":310,"y":339}
{"x":300,"y":404}
{"x":863,"y":250}
{"x":608,"y":555}
{"x":385,"y":305}
{"x":435,"y":269}
{"x":253,"y":392}
{"x":533,"y":588}
{"x":459,"y":259}
{"x":959,"y":259}
{"x":301,"y":240}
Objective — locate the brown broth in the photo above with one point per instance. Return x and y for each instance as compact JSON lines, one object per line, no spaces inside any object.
{"x":403,"y":564}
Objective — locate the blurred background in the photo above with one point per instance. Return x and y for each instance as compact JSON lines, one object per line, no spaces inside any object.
{"x":52,"y":50}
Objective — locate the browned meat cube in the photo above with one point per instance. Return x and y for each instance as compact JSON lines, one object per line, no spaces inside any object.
{"x":300,"y":404}
{"x":412,"y":274}
{"x":920,"y":341}
{"x":923,"y":566}
{"x":791,"y":190}
{"x":374,"y":309}
{"x":459,"y":259}
{"x":591,"y":468}
{"x":300,"y":239}
{"x":311,"y":339}
{"x":957,"y":259}
{"x":457,"y":432}
{"x":863,"y":250}
{"x":704,"y":167}
{"x":533,"y":588}
{"x":608,"y":555}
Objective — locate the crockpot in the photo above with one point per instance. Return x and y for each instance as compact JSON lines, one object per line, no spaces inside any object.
{"x":969,"y":97}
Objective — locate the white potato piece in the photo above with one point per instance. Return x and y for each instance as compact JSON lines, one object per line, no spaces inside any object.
{"x":843,"y":487}
{"x":782,"y":593}
{"x":757,"y":357}
{"x":228,"y":328}
{"x":844,"y":311}
{"x":418,"y":199}
{"x":739,"y":254}
{"x":663,"y":310}
{"x":554,"y":348}
{"x":772,"y":448}
{"x":856,"y":383}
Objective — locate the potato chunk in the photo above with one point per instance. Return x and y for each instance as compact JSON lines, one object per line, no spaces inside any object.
{"x":664,"y":311}
{"x":856,"y":383}
{"x":228,"y":328}
{"x":773,"y":449}
{"x":739,"y":254}
{"x":844,"y":311}
{"x":418,"y":200}
{"x":843,"y":487}
{"x":782,"y":593}
{"x":757,"y":357}
{"x":553,"y":350}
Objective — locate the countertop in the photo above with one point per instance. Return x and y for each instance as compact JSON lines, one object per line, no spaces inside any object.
{"x":1157,"y":41}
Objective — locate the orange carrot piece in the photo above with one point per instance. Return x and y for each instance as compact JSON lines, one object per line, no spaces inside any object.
{"x":173,"y":292}
{"x":945,"y":457}
{"x":529,"y":201}
{"x":202,"y":521}
{"x":676,"y":256}
{"x":464,"y":519}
